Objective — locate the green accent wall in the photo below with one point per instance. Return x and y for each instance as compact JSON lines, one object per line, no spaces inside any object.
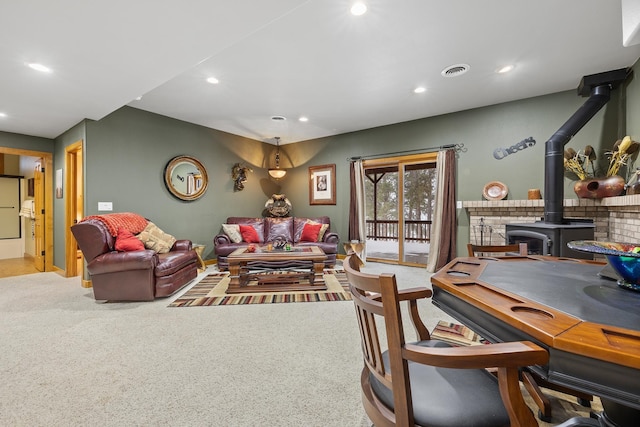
{"x":125,"y":154}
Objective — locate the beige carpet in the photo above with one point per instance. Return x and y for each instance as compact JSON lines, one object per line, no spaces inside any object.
{"x":211,"y":291}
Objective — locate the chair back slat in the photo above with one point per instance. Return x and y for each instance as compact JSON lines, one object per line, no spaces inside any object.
{"x":365,"y":292}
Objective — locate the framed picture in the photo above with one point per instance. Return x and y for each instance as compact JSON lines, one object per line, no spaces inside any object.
{"x":322,"y":185}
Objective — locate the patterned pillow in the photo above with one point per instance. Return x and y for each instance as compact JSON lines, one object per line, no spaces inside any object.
{"x":233,"y":232}
{"x":156,"y":239}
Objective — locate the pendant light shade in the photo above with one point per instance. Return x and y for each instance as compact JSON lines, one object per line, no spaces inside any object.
{"x":276,"y":172}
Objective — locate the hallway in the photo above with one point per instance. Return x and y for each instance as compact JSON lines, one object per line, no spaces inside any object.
{"x":17,"y":267}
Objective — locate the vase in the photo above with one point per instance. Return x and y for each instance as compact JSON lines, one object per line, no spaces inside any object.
{"x":597,"y":188}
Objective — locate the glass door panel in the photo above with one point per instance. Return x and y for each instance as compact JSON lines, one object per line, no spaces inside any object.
{"x":381,"y":213}
{"x":419,"y":184}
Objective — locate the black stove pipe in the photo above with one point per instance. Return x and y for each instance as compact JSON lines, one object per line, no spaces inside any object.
{"x":598,"y":87}
{"x":554,"y":153}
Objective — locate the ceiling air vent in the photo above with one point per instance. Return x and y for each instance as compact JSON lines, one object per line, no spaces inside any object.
{"x":455,"y":70}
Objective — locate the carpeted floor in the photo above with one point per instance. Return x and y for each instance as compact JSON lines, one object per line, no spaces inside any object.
{"x":69,"y":360}
{"x":211,"y":291}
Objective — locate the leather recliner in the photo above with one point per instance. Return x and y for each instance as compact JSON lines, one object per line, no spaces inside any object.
{"x":141,"y":275}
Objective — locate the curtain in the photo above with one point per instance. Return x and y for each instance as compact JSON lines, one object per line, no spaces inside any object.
{"x":357,"y":223}
{"x":443,"y":233}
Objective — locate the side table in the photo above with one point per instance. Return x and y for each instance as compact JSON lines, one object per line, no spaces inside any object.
{"x":199,"y":250}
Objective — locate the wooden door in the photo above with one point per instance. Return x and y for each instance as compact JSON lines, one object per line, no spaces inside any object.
{"x":38,"y":189}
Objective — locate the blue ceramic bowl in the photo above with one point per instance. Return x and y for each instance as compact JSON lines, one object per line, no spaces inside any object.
{"x":620,"y":256}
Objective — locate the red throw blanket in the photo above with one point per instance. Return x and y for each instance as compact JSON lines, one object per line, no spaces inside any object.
{"x":127,"y":220}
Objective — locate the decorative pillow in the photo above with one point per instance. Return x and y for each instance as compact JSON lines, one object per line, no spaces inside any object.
{"x":323,"y":229}
{"x":126,"y":241}
{"x":249,"y":234}
{"x":310,"y":232}
{"x":156,"y":239}
{"x":233,"y":232}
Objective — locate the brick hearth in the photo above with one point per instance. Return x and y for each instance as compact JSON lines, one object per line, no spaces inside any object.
{"x":616,"y":218}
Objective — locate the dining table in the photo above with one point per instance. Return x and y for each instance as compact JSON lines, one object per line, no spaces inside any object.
{"x":589,"y":325}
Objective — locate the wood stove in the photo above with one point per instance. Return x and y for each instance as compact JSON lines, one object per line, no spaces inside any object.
{"x":551,"y":235}
{"x":544,"y":238}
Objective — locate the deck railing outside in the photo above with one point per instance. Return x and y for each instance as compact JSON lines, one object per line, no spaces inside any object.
{"x":415,"y":231}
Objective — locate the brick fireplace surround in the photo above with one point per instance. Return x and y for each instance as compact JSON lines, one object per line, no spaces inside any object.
{"x":616,"y":219}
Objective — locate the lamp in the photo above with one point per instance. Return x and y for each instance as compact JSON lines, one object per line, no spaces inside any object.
{"x":276,"y":172}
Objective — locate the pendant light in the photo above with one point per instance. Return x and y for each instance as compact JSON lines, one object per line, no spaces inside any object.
{"x":276,"y":172}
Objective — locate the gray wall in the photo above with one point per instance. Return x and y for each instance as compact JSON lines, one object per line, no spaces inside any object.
{"x":26,"y":142}
{"x":126,"y":152}
{"x":125,"y":156}
{"x":480,"y":130}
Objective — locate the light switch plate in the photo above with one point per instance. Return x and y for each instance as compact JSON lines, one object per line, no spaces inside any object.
{"x":105,"y":206}
{"x":459,"y":204}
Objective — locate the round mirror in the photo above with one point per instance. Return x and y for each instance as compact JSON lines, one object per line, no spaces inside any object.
{"x":186,"y":178}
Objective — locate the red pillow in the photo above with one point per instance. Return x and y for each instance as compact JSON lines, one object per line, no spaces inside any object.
{"x":125,"y":241}
{"x":310,"y":232}
{"x":249,"y":234}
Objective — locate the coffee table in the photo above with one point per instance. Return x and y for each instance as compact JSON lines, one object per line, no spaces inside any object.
{"x":284,"y":281}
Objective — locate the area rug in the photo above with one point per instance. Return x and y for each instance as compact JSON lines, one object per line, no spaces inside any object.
{"x":211,"y":291}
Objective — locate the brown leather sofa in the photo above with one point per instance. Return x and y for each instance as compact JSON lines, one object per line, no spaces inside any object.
{"x":286,"y":228}
{"x":140,"y":275}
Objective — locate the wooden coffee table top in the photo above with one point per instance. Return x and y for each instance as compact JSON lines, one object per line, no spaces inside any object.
{"x":309,"y":253}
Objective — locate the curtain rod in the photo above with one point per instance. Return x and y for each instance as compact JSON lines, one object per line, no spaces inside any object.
{"x":456,"y":147}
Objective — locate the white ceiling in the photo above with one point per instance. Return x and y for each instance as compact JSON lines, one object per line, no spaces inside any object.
{"x":292,"y":58}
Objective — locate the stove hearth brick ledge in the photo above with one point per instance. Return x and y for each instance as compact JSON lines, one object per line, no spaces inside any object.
{"x":615,"y":218}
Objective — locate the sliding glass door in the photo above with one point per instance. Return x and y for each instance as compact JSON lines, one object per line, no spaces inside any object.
{"x":399,"y":204}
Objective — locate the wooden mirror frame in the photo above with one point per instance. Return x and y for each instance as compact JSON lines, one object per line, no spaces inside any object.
{"x":186,"y":178}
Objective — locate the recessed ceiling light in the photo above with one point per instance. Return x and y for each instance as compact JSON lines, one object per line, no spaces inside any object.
{"x":455,"y":70}
{"x":420,"y":89}
{"x":278,"y":118}
{"x":39,"y":67}
{"x":213,"y":80}
{"x":303,"y":119}
{"x":358,"y":9}
{"x":505,"y":69}
{"x":3,"y":114}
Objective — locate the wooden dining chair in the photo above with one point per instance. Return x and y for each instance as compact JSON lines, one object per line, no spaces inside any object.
{"x":517,"y":248}
{"x":430,"y":382}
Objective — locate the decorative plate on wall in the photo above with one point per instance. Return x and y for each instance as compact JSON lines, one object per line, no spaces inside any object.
{"x":495,"y":190}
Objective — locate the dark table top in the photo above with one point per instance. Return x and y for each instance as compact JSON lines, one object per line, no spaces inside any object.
{"x":573,"y":288}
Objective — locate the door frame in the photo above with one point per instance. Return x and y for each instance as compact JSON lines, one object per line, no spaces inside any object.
{"x":73,"y":188}
{"x":47,"y":165}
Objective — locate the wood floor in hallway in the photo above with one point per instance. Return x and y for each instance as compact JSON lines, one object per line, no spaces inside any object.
{"x":17,"y":267}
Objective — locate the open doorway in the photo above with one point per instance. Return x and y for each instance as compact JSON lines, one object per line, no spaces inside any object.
{"x":42,"y":230}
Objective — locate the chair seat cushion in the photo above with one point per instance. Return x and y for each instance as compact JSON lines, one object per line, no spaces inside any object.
{"x":449,"y":397}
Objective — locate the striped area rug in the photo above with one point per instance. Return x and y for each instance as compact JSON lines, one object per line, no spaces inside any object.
{"x":211,"y":291}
